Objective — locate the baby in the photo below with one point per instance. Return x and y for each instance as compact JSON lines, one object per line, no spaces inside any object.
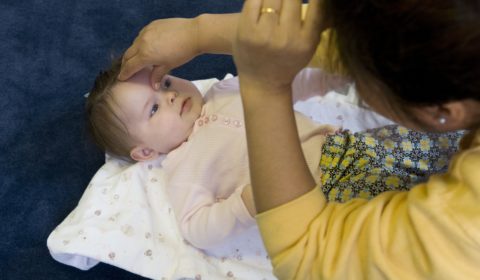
{"x":203,"y":139}
{"x":202,"y":142}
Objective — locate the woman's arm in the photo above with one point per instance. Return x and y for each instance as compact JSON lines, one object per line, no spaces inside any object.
{"x":169,"y":43}
{"x":270,"y":49}
{"x":216,"y":32}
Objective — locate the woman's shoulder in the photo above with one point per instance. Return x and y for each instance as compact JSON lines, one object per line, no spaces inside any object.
{"x":468,"y":158}
{"x":470,"y":140}
{"x":465,"y":166}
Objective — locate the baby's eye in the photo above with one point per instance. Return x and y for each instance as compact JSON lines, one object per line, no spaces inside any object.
{"x":166,"y":83}
{"x":154,"y":109}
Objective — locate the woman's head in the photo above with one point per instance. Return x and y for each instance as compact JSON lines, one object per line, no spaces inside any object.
{"x":419,"y":58}
{"x":132,"y":120}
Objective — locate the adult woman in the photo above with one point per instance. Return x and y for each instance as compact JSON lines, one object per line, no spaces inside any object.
{"x":415,"y":61}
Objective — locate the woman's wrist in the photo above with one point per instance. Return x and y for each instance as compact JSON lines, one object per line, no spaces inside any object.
{"x":215,"y":33}
{"x":254,"y":89}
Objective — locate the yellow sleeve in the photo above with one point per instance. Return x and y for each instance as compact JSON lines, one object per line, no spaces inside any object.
{"x":430,"y":232}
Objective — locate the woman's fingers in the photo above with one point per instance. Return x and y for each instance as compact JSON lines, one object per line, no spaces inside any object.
{"x":156,"y":76}
{"x":250,"y":12}
{"x":129,"y":53}
{"x":272,"y":49}
{"x":314,"y":21}
{"x":269,"y":11}
{"x":131,"y":64}
{"x":292,"y":12}
{"x":164,"y":42}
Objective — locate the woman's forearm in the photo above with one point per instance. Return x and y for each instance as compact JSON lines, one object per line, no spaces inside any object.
{"x":216,"y":32}
{"x":278,"y":169}
{"x":270,"y":48}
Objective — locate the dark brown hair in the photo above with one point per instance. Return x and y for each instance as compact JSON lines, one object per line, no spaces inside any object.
{"x":416,"y":52}
{"x":106,"y":128}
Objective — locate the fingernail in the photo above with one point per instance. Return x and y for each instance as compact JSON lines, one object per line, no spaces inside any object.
{"x":156,"y":86}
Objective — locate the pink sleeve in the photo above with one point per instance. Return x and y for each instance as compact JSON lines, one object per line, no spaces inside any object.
{"x":206,"y":222}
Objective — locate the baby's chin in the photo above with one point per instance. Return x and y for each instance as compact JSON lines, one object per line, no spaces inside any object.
{"x":187,"y":137}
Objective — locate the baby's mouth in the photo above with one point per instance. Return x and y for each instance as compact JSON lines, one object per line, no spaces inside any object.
{"x":186,"y":105}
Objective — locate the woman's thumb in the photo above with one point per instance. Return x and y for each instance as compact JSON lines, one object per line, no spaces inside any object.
{"x":156,"y":76}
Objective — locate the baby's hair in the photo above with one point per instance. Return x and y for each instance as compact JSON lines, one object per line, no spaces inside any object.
{"x":106,"y":128}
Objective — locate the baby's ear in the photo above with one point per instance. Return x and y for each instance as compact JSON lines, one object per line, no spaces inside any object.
{"x":140,"y":153}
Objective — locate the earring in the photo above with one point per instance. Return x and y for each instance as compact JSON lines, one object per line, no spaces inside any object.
{"x":442,"y":120}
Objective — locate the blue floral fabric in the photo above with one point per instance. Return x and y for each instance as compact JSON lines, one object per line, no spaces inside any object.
{"x":365,"y":164}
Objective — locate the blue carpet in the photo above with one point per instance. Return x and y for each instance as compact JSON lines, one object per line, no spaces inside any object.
{"x":50,"y":52}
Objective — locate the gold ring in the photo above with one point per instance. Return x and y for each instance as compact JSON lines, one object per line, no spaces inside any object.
{"x":268,"y":11}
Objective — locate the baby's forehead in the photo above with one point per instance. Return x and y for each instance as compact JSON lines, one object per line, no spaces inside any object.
{"x":138,"y":82}
{"x":128,"y":96}
{"x":142,"y":76}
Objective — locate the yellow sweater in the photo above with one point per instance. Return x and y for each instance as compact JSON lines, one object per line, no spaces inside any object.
{"x":429,"y":232}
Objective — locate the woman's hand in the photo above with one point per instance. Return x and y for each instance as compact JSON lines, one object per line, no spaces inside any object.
{"x":273,"y":43}
{"x":169,"y":43}
{"x":165,"y":44}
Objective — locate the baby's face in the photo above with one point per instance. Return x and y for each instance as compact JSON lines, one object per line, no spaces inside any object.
{"x":160,"y":119}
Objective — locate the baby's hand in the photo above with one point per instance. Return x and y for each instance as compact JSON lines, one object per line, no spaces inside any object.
{"x":165,"y":44}
{"x":273,"y":43}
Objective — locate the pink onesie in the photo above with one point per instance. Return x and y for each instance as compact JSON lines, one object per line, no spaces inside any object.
{"x":207,"y":173}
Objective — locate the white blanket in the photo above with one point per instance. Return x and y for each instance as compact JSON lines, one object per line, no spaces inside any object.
{"x":124,"y":218}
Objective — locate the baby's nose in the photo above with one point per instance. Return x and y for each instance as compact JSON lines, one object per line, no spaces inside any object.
{"x":171,"y":95}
